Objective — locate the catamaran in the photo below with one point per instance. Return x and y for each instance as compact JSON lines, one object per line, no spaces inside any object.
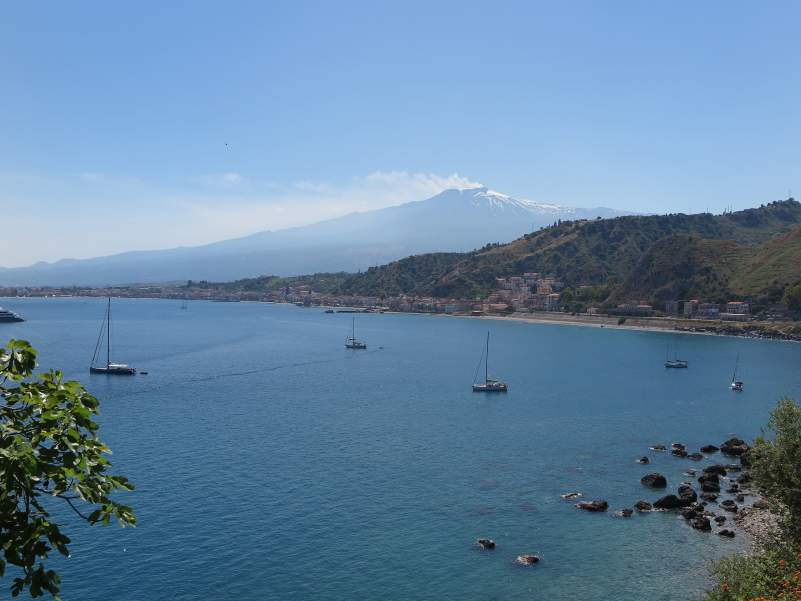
{"x":675,"y":363}
{"x":490,"y":384}
{"x":352,"y":342}
{"x":736,"y":385}
{"x":111,"y":369}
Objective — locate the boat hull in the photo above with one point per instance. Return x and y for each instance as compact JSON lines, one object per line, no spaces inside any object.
{"x":490,"y":388}
{"x":676,"y":364}
{"x":356,"y":346}
{"x":113,"y":371}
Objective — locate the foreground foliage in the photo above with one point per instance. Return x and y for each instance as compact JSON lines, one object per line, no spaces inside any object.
{"x":772,"y":572}
{"x":49,"y":454}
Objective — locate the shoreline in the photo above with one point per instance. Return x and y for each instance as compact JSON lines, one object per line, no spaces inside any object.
{"x":752,"y":330}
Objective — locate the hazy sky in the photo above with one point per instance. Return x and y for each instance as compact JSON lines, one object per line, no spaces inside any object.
{"x":154,"y":124}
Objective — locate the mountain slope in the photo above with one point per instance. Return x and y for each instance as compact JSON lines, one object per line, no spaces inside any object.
{"x":455,"y":220}
{"x":602,"y":252}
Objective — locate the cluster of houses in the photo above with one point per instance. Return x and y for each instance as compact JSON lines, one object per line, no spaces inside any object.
{"x":693,"y":309}
{"x":530,"y":291}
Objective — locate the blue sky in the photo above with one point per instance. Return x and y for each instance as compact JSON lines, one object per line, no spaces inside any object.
{"x":153,"y":124}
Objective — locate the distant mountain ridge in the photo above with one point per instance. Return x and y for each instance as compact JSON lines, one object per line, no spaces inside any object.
{"x":456,"y":220}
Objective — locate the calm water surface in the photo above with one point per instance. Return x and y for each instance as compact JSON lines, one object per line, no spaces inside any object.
{"x":271,"y":463}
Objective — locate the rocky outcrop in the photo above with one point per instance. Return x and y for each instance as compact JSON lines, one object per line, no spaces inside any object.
{"x":657,"y":447}
{"x":710,"y":497}
{"x":668,"y":502}
{"x":726,"y":533}
{"x":701,"y":523}
{"x":687,"y":494}
{"x":695,"y":456}
{"x":644,"y":460}
{"x":597,"y":505}
{"x":643,"y":506}
{"x":678,"y":452}
{"x":729,"y":505}
{"x":625,"y":513}
{"x":654,"y":480}
{"x":485,"y":543}
{"x":527,"y":560}
{"x":569,"y":496}
{"x":709,"y":448}
{"x":718,"y":469}
{"x":734,"y":447}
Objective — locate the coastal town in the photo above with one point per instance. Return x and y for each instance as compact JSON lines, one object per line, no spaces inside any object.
{"x":531,"y":295}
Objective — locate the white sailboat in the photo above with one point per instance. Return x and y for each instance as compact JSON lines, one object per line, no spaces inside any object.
{"x":111,"y":369}
{"x":736,"y":385}
{"x":352,"y":342}
{"x":490,"y":384}
{"x":675,"y":363}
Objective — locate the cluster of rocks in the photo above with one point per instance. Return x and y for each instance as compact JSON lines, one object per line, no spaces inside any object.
{"x":713,"y":481}
{"x":524,"y":559}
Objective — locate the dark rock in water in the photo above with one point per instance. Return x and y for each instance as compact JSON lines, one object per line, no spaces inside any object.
{"x":733,"y":489}
{"x":733,"y":467}
{"x":527,"y":560}
{"x":702,"y":524}
{"x":734,"y":447}
{"x":658,"y":447}
{"x":709,"y":448}
{"x":744,"y":478}
{"x":597,"y":505}
{"x":745,"y":459}
{"x":668,"y":502}
{"x":721,"y":519}
{"x":644,"y":460}
{"x":709,"y":496}
{"x":695,"y":456}
{"x":689,"y":472}
{"x":687,"y":495}
{"x":678,"y":452}
{"x":717,"y":469}
{"x":760,"y":504}
{"x":486,"y":543}
{"x":712,"y":487}
{"x":654,"y":481}
{"x":625,"y":513}
{"x":689,"y":513}
{"x":740,"y":498}
{"x":643,"y":506}
{"x":729,"y":505}
{"x":677,"y":446}
{"x":726,"y":533}
{"x":569,"y":496}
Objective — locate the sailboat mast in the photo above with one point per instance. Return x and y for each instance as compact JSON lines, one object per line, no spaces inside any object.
{"x":353,"y":329}
{"x":108,"y":333}
{"x":486,"y":363}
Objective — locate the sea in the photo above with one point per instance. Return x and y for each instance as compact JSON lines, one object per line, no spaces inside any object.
{"x":272,"y":463}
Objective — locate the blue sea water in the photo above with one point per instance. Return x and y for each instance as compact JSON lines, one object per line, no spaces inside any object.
{"x":272,"y":463}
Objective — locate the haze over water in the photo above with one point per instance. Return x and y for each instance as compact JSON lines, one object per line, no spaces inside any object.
{"x":271,"y":463}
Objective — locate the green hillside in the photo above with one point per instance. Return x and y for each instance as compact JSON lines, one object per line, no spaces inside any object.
{"x":608,"y":252}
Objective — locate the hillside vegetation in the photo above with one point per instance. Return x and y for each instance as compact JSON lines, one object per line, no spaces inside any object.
{"x":751,"y":252}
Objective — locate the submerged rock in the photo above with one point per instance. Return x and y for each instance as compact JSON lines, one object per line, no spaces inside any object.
{"x":734,"y":447}
{"x":695,"y":456}
{"x":717,"y":469}
{"x":644,"y":460}
{"x":702,"y":524}
{"x":726,"y":533}
{"x":709,"y":448}
{"x":486,"y":543}
{"x":597,"y":505}
{"x":654,"y":480}
{"x":527,"y":560}
{"x":740,"y":498}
